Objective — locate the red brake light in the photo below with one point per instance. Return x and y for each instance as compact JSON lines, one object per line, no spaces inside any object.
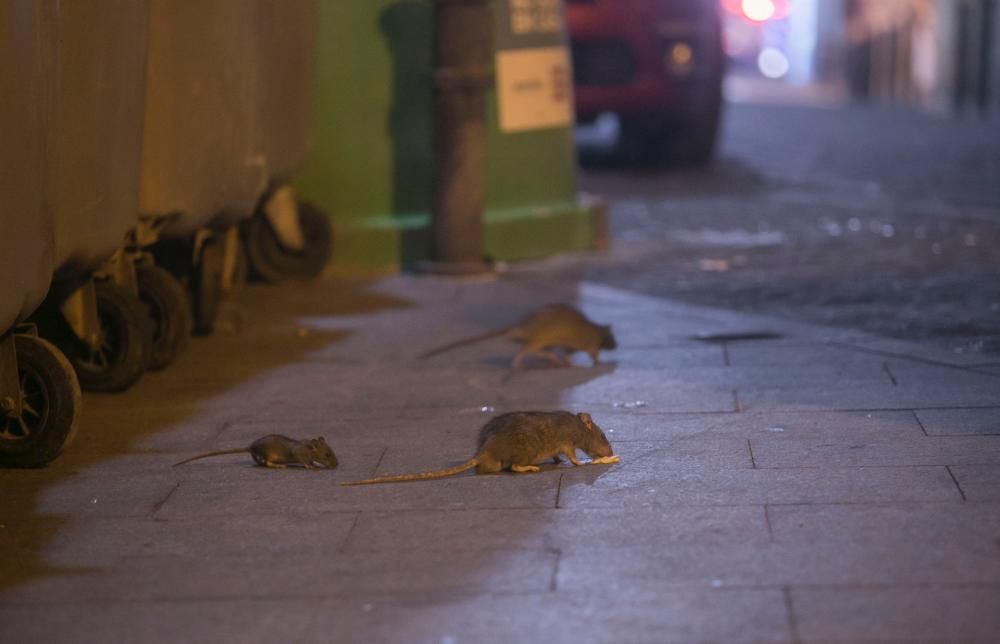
{"x":757,"y":10}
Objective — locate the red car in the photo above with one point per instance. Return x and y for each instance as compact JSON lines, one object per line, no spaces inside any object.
{"x":658,"y":65}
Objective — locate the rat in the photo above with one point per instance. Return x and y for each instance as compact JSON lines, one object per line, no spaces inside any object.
{"x":555,"y":326}
{"x":276,"y":450}
{"x":518,"y":441}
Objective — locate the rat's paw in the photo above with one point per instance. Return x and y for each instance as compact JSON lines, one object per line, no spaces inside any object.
{"x":603,"y":460}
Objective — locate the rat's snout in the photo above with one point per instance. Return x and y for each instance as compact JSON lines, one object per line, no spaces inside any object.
{"x":602,"y":449}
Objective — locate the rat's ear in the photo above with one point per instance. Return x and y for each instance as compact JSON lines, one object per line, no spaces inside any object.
{"x":585,"y":418}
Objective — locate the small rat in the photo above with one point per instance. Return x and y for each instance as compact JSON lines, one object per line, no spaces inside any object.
{"x":519,"y":440}
{"x":276,"y":450}
{"x":555,"y":326}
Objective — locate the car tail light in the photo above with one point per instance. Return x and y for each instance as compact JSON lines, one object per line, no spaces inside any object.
{"x":757,"y":10}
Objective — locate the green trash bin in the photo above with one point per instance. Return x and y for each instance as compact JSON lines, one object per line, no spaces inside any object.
{"x":72,"y":81}
{"x":27,"y":244}
{"x":227,"y":122}
{"x":93,"y":75}
{"x":39,"y":393}
{"x":370,"y":167}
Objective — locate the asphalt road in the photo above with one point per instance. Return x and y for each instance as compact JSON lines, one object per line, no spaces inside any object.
{"x":878,"y":218}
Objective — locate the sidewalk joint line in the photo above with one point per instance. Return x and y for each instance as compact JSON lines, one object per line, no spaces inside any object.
{"x":767,"y":518}
{"x":957,"y":484}
{"x":350,"y":532}
{"x":159,"y":504}
{"x":753,"y":462}
{"x":793,"y":622}
{"x":903,"y":356}
{"x":559,"y":490}
{"x":888,"y":372}
{"x":916,"y":417}
{"x":737,"y":408}
{"x":379,"y":461}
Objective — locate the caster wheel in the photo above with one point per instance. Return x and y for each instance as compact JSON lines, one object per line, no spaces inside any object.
{"x":168,"y":311}
{"x":206,"y":285}
{"x":50,"y":406}
{"x":126,"y":342}
{"x":241,"y":273}
{"x":272,"y":262}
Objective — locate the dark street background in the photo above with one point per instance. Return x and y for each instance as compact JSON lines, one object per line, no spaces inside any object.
{"x":881,"y":218}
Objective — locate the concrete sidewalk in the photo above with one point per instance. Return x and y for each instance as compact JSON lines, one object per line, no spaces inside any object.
{"x":826,"y":485}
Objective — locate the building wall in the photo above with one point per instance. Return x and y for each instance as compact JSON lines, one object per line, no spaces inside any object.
{"x":927,"y":52}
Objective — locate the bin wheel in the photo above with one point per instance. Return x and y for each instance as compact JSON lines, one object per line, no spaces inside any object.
{"x":241,"y":273}
{"x":51,"y":403}
{"x":206,"y":285}
{"x":272,"y":262}
{"x":126,"y":342}
{"x":168,"y":310}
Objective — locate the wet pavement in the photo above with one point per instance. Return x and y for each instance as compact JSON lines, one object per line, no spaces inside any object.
{"x":824,"y":484}
{"x":873,"y":218}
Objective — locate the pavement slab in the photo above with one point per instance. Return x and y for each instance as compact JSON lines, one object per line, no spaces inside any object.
{"x":632,"y":424}
{"x":975,"y":420}
{"x":917,"y":451}
{"x":108,"y":541}
{"x":898,"y":613}
{"x":779,"y":565}
{"x":302,"y":575}
{"x":978,"y":482}
{"x":973,"y":527}
{"x":303,"y":494}
{"x":757,"y":480}
{"x":563,"y":530}
{"x":655,"y":486}
{"x":638,"y":616}
{"x":196,"y":620}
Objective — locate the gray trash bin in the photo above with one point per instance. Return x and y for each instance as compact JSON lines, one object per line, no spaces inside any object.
{"x":39,"y":393}
{"x":94,"y":79}
{"x":228,"y":95}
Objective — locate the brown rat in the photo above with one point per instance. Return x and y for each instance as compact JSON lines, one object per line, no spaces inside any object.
{"x":519,"y":441}
{"x":555,"y":326}
{"x":276,"y":450}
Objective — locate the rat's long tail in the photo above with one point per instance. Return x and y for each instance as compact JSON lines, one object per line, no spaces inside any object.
{"x":219,"y":453}
{"x":420,"y":476}
{"x":464,"y":341}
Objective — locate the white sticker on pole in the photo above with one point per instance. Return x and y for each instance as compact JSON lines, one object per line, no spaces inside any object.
{"x":534,"y":89}
{"x":535,"y":16}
